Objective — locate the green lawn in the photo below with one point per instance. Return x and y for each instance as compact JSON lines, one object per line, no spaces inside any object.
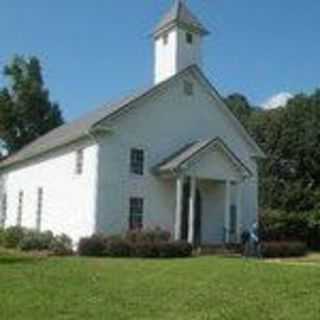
{"x":199,"y":288}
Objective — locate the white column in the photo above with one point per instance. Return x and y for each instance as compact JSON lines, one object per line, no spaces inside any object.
{"x":179,"y":207}
{"x":239,"y":212}
{"x":191,"y":209}
{"x":227,"y":211}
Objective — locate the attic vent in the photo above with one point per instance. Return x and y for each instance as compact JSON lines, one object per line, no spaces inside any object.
{"x":188,"y":88}
{"x":165,"y":39}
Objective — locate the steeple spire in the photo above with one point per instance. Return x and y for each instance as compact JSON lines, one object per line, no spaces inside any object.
{"x":179,"y":14}
{"x":178,"y":41}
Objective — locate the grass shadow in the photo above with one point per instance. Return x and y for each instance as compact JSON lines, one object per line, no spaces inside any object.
{"x":17,"y":260}
{"x":12,"y":257}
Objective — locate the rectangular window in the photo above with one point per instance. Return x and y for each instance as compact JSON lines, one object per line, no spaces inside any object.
{"x":4,"y":208}
{"x":20,"y":209}
{"x":39,"y":209}
{"x":189,"y":37}
{"x":137,"y":162}
{"x":79,"y":162}
{"x":136,"y":213}
{"x":188,"y":88}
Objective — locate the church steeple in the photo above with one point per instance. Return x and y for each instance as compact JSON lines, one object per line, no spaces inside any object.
{"x":178,"y":41}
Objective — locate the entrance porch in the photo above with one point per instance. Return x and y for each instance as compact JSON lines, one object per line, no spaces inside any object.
{"x":207,"y":211}
{"x":208,"y":181}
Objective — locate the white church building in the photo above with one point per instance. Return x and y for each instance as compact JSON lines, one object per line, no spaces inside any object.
{"x":173,"y":156}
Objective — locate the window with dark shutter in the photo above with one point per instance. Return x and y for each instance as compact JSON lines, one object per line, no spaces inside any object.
{"x":136,"y":213}
{"x":20,"y":208}
{"x":39,"y":209}
{"x":79,"y":162}
{"x":137,"y":162}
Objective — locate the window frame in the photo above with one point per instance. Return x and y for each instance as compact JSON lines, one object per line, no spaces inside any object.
{"x":136,"y":213}
{"x":137,"y":161}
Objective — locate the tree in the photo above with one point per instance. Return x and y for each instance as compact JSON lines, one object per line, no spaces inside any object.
{"x":240,"y":107}
{"x":290,"y":136}
{"x":26,"y":111}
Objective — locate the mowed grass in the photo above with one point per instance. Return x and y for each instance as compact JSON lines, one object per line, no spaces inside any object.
{"x":199,"y":288}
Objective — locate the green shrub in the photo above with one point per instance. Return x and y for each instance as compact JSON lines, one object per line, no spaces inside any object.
{"x":276,"y":225}
{"x":313,"y":224}
{"x":145,"y":250}
{"x":94,"y":246}
{"x":117,"y":247}
{"x":148,"y":235}
{"x":283,"y":249}
{"x":61,"y":246}
{"x":140,"y":244}
{"x":36,"y":241}
{"x":13,"y":236}
{"x":177,"y":249}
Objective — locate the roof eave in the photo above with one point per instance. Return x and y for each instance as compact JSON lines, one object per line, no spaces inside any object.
{"x":258,"y":151}
{"x":189,"y":27}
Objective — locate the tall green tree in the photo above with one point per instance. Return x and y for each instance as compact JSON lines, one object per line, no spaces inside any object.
{"x":26,"y":111}
{"x":290,"y":137}
{"x":240,"y":107}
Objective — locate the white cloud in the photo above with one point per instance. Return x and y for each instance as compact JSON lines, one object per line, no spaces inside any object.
{"x":276,"y":101}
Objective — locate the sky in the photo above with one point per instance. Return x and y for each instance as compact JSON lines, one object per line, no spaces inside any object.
{"x":96,"y":51}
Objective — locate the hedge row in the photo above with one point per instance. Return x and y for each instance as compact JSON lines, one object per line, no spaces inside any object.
{"x":31,"y":240}
{"x":278,"y":225}
{"x":148,"y":244}
{"x":283,"y":249}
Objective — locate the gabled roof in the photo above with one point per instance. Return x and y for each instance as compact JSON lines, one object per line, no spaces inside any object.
{"x":77,"y":129}
{"x":89,"y":123}
{"x":180,"y":159}
{"x":66,"y":133}
{"x":179,"y":14}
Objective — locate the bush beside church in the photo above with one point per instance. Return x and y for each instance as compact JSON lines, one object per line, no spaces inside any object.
{"x":140,"y":244}
{"x":153,"y":243}
{"x":277,"y":225}
{"x":30,"y":240}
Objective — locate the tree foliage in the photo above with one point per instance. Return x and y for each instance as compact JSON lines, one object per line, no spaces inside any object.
{"x":290,"y":137}
{"x":240,"y":107}
{"x":26,"y":111}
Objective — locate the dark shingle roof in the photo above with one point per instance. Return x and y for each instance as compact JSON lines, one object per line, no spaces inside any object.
{"x":181,"y":15}
{"x":69,"y":132}
{"x":176,"y":161}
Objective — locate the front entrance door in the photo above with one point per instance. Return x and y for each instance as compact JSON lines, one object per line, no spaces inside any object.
{"x":185,"y":215}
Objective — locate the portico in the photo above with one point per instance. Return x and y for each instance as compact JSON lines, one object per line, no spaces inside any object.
{"x":212,"y":174}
